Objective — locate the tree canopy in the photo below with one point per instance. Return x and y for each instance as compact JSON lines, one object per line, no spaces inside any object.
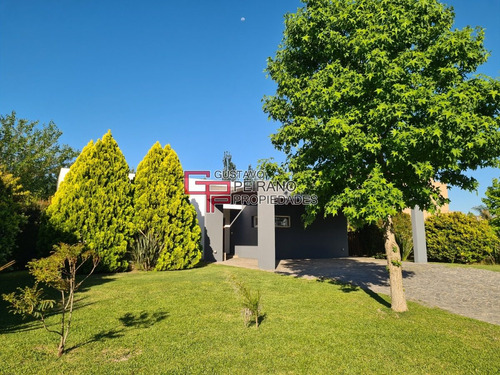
{"x":162,"y":208}
{"x":11,"y":213}
{"x":33,"y":153}
{"x":377,"y":100}
{"x":93,"y":204}
{"x":492,"y":202}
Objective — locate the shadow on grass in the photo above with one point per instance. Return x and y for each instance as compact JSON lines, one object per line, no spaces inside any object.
{"x":377,"y":297}
{"x":9,"y":282}
{"x":345,"y":271}
{"x":101,"y":336}
{"x":16,"y":323}
{"x":128,"y":321}
{"x":261,"y":318}
{"x":142,"y":319}
{"x":344,"y":287}
{"x":348,"y":288}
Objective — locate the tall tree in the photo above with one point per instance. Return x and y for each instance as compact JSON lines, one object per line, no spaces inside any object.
{"x":492,"y":202}
{"x":376,"y":100}
{"x":162,"y":208}
{"x":93,"y":204}
{"x":229,"y":171}
{"x":33,"y":153}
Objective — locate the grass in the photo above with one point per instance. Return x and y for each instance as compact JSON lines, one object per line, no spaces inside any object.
{"x":489,"y":267}
{"x":190,"y":322}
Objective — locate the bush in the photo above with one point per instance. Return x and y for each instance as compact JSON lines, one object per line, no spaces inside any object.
{"x":11,"y":215}
{"x":30,"y":230}
{"x":145,"y":250}
{"x":456,"y":237}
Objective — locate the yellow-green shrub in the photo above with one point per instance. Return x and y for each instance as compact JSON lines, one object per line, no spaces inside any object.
{"x":458,"y":238}
{"x":94,"y":204}
{"x":162,"y":208}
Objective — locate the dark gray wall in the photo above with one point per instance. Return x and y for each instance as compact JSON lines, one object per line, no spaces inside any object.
{"x":242,"y":231}
{"x":213,"y":249}
{"x":325,"y":238}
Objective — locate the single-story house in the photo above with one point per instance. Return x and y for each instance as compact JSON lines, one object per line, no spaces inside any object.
{"x":260,"y":228}
{"x":266,"y":231}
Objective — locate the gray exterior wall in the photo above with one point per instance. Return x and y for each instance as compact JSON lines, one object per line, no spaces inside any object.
{"x":266,"y":235}
{"x":243,"y":234}
{"x":214,"y":236}
{"x":325,"y":238}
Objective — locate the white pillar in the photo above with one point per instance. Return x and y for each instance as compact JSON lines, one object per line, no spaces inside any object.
{"x":418,"y":231}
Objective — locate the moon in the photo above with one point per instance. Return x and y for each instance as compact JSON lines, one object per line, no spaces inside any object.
{"x":243,"y":19}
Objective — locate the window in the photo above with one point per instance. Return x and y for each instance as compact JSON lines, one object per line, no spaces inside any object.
{"x":280,"y":221}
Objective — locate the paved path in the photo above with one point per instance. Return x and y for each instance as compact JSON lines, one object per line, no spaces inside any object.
{"x":466,"y":291}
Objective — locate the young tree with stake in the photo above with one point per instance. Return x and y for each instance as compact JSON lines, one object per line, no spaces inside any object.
{"x":57,"y":271}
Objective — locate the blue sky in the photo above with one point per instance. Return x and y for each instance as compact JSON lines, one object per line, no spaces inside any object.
{"x":185,"y":73}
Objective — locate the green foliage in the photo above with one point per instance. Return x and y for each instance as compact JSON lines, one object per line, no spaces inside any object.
{"x":492,"y":202}
{"x":33,"y":153}
{"x":29,"y":302}
{"x":404,"y":234}
{"x":456,"y":237}
{"x":146,"y":250}
{"x":163,"y":209}
{"x":376,"y":99}
{"x":59,"y":272}
{"x":26,"y":250}
{"x":57,"y":269}
{"x":273,"y":170}
{"x":11,"y":213}
{"x":250,"y":301}
{"x":94,"y":204}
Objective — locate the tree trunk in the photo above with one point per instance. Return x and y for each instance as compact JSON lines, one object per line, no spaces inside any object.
{"x":398,"y":299}
{"x":60,"y":350}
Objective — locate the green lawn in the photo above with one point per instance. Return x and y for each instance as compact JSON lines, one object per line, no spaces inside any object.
{"x":188,"y":322}
{"x":489,"y":267}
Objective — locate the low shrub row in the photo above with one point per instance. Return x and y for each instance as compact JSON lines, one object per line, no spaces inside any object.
{"x":451,"y":237}
{"x":458,"y":238}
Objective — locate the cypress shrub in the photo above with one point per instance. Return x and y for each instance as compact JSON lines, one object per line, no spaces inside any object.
{"x":162,"y":208}
{"x":456,"y":237}
{"x":94,"y":204}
